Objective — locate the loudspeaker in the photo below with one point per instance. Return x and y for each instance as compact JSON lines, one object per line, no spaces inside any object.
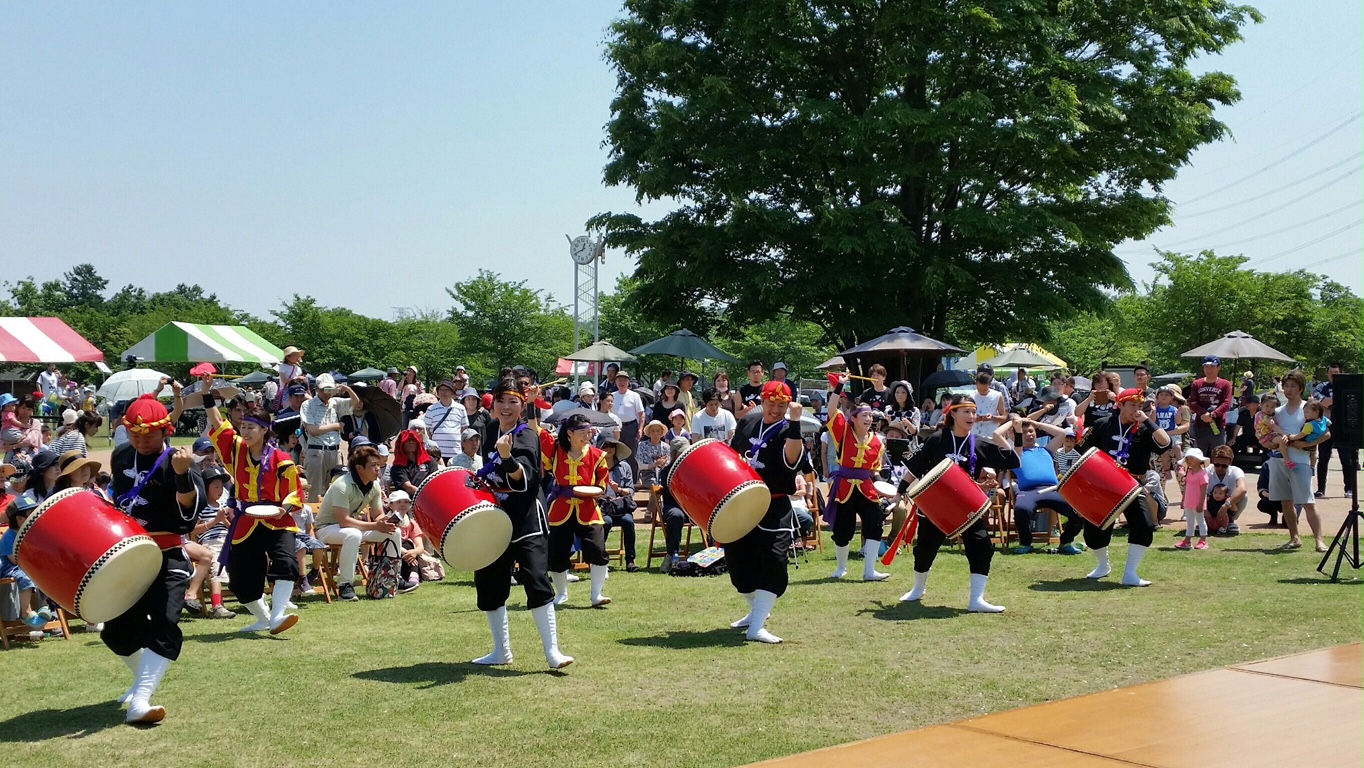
{"x":1347,"y":393}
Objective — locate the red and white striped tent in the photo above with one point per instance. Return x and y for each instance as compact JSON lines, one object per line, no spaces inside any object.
{"x":44,"y":340}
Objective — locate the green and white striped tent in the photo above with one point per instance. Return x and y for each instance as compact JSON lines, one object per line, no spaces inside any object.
{"x":192,"y":343}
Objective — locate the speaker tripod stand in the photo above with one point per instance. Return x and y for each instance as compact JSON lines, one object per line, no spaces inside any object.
{"x":1347,"y":537}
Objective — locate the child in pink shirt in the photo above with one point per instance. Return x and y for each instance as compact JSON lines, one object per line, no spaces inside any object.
{"x":1195,"y":496}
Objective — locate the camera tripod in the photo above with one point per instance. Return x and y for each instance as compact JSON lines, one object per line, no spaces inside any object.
{"x":1348,"y":536}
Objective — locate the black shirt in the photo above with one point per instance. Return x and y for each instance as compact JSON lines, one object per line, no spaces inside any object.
{"x":660,"y":412}
{"x":156,"y":508}
{"x":876,"y":400}
{"x":522,"y":502}
{"x":943,"y":444}
{"x":1096,"y":411}
{"x":1104,"y":435}
{"x":413,"y":473}
{"x":751,"y":395}
{"x":770,"y":461}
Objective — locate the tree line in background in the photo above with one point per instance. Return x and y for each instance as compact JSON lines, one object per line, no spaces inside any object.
{"x":493,"y":323}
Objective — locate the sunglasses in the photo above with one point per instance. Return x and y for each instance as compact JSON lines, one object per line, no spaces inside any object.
{"x":1221,"y":464}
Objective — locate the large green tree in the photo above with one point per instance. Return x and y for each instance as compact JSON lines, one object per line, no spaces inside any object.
{"x":504,"y":323}
{"x":862,"y":164}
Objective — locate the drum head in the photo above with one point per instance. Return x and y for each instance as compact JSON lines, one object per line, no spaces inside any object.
{"x":119,"y":580}
{"x":740,"y":512}
{"x":263,"y":510}
{"x":884,"y":488}
{"x":476,"y":538}
{"x":587,"y":491}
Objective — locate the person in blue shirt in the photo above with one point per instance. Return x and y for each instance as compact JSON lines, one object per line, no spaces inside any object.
{"x":1035,"y":485}
{"x":15,"y":514}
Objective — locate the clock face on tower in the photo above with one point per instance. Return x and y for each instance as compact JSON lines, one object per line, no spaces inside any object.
{"x":582,"y":249}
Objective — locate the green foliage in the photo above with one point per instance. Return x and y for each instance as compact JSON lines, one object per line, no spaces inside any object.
{"x":1088,"y":340}
{"x":978,"y":158}
{"x":798,"y":343}
{"x":504,"y":323}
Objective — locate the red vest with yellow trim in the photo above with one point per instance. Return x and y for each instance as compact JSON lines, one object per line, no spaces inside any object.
{"x":591,"y":470}
{"x":254,"y":486}
{"x":854,"y":455}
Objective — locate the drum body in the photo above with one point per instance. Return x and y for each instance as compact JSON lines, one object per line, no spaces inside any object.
{"x":949,"y":498}
{"x":465,"y":524}
{"x":1098,"y":488}
{"x":88,"y":556}
{"x":718,"y":490}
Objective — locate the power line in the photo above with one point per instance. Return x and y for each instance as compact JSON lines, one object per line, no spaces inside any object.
{"x":1307,"y":244}
{"x":1281,"y":160}
{"x":1337,"y":257}
{"x":1291,"y":227}
{"x":1276,"y":190}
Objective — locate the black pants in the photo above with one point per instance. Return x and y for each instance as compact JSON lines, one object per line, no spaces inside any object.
{"x":266,"y":553}
{"x":626,"y":521}
{"x":674,"y":520}
{"x":758,"y":559}
{"x":858,"y":507}
{"x":1026,"y":504}
{"x":976,"y":539}
{"x":1139,"y":530}
{"x":493,"y":584}
{"x":154,"y":621}
{"x":592,"y":539}
{"x":1349,"y":464}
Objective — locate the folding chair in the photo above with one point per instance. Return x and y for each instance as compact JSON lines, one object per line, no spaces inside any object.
{"x":18,"y":630}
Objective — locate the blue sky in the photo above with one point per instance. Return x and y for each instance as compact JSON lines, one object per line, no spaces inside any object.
{"x":373,"y":154}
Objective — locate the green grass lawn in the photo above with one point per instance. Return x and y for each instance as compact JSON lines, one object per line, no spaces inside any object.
{"x":660,"y":679}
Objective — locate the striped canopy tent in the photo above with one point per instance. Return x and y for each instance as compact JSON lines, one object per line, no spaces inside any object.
{"x":983,"y":353}
{"x":193,"y":343}
{"x":44,"y":340}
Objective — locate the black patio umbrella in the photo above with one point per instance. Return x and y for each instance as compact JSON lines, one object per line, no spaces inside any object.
{"x":685,"y":344}
{"x":903,"y":340}
{"x":367,"y":374}
{"x":255,"y":378}
{"x":388,"y":415}
{"x":943,"y":379}
{"x":595,"y":418}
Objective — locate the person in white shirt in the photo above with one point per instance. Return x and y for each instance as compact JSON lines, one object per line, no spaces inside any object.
{"x":49,"y":381}
{"x":321,"y":417}
{"x":446,"y":419}
{"x":629,"y":408}
{"x":990,"y":408}
{"x":713,"y":422}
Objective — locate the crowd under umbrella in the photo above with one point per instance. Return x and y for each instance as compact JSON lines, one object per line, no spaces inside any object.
{"x":896,"y":346}
{"x":1238,"y":345}
{"x":367,"y":374}
{"x":1020,"y":357}
{"x":130,"y":384}
{"x":594,"y":417}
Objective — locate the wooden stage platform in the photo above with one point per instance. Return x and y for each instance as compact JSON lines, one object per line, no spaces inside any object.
{"x":1304,"y":710}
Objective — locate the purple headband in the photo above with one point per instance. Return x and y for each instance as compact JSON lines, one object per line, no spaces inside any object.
{"x":263,"y":424}
{"x":861,"y":408}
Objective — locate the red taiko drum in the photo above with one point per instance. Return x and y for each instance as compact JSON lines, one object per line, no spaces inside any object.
{"x":718,"y":490}
{"x":949,"y":498}
{"x":1098,"y":488}
{"x":88,"y":556}
{"x":464,"y":523}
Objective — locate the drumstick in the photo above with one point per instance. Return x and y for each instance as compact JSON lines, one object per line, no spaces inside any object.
{"x":552,"y":383}
{"x":906,"y":533}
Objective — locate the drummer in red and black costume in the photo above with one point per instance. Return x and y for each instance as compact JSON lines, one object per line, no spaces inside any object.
{"x":852,"y":496}
{"x":513,"y":471}
{"x":769,"y":439}
{"x":259,"y":547}
{"x":575,"y":462}
{"x":1132,"y":439}
{"x":954,"y":440}
{"x":156,"y":486}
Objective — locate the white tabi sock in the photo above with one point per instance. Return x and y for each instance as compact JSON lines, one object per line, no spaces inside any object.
{"x":978,"y":604}
{"x":1135,"y":552}
{"x":598,"y":573}
{"x":842,"y":554}
{"x":549,"y":636}
{"x":748,"y":617}
{"x":149,"y":673}
{"x":763,"y":603}
{"x":501,"y":629}
{"x":257,"y":609}
{"x":1103,"y":568}
{"x":560,"y":586}
{"x":134,"y":662}
{"x":870,"y":551}
{"x":920,"y":585}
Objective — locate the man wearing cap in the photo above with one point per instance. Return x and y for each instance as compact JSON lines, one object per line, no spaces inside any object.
{"x":1131,"y":437}
{"x":769,"y":439}
{"x":389,"y":386}
{"x":295,"y":395}
{"x":468,"y":457}
{"x":158,"y":488}
{"x":321,"y":419}
{"x":629,"y":408}
{"x":446,"y":419}
{"x":779,"y":374}
{"x":1210,"y":399}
